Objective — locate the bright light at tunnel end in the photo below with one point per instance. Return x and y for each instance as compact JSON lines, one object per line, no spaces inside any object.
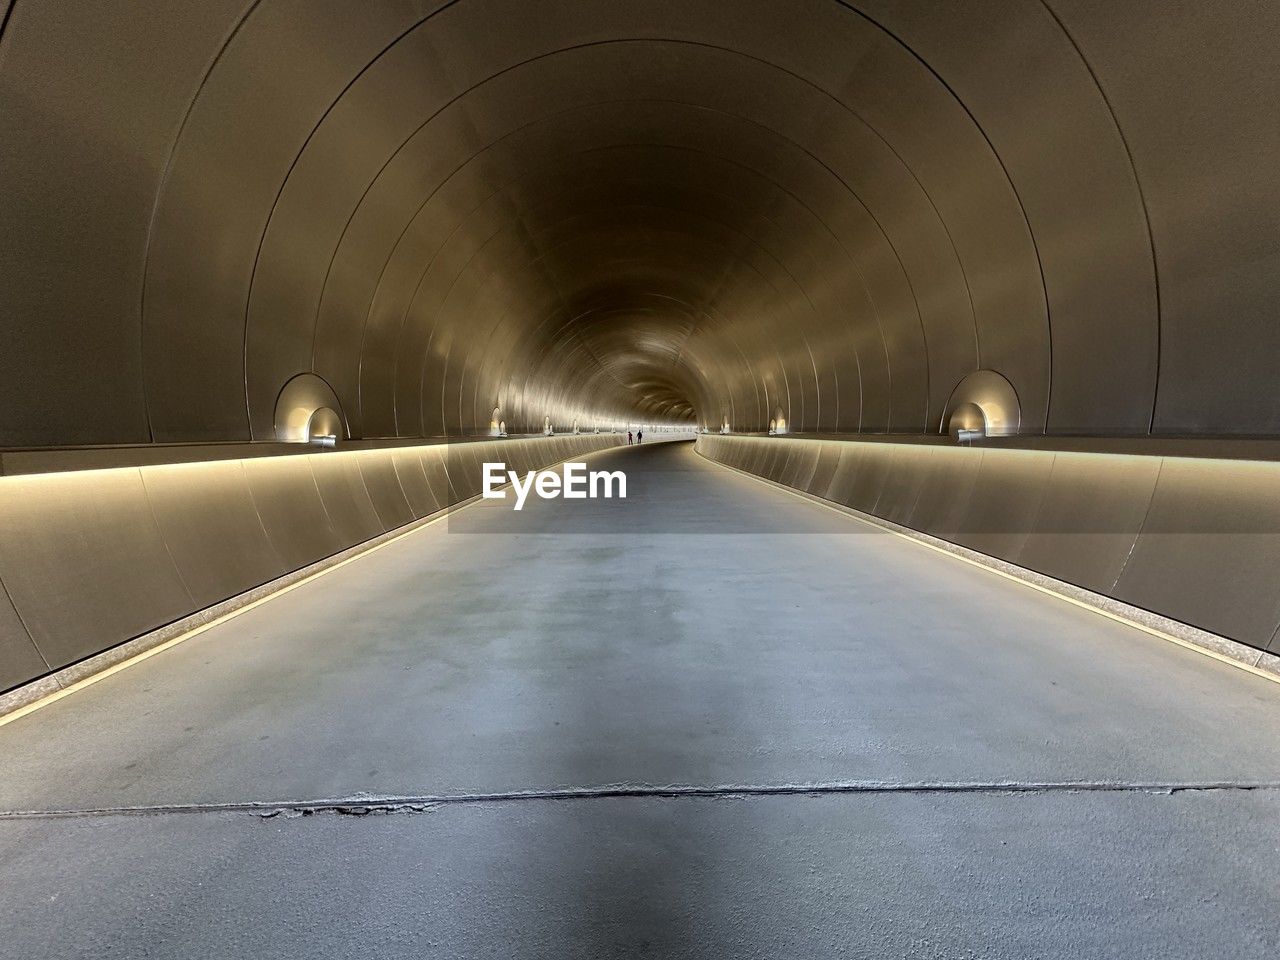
{"x":574,"y":482}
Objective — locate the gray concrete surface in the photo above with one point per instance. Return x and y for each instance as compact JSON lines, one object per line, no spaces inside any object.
{"x":709,"y":632}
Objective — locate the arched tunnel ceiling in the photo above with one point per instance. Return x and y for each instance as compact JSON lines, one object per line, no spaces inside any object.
{"x":636,"y":210}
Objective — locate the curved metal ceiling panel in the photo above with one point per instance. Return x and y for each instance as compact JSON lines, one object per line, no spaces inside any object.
{"x":607,"y":211}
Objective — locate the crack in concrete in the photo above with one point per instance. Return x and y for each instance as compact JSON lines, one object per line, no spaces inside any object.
{"x":360,"y":805}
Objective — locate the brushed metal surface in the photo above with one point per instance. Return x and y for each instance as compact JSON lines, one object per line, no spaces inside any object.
{"x":382,"y":483}
{"x":1088,"y":219}
{"x":211,"y":528}
{"x":621,"y":212}
{"x":413,"y":481}
{"x":84,"y":561}
{"x":346,"y":499}
{"x":1196,"y":540}
{"x":1091,"y":514}
{"x":1209,"y":550}
{"x":293,"y":514}
{"x":824,"y":470}
{"x":907,"y":474}
{"x":463,"y":466}
{"x":235,"y":147}
{"x":1005,"y":502}
{"x":943,"y":504}
{"x":1191,"y":84}
{"x":870,"y":477}
{"x":840,"y":487}
{"x":802,"y":460}
{"x":637,"y":210}
{"x":94,"y":558}
{"x":515,"y":454}
{"x":90,"y":100}
{"x":434,"y":461}
{"x":19,"y":658}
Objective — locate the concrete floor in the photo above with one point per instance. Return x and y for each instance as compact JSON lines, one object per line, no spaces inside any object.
{"x":708,"y":632}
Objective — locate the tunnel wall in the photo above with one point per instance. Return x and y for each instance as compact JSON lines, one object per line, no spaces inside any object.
{"x":1194,"y":539}
{"x":93,"y":558}
{"x":836,"y":207}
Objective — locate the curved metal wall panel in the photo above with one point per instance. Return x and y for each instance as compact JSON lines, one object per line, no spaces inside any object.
{"x":464,"y":465}
{"x":413,"y":481}
{"x":1197,"y":540}
{"x":91,"y":98}
{"x":824,"y":470}
{"x":839,"y":488}
{"x":942,"y":503}
{"x":828,"y":211}
{"x":637,"y":211}
{"x":1002,"y":509}
{"x":84,"y":561}
{"x":97,"y":557}
{"x":19,"y":658}
{"x":382,"y":483}
{"x":907,"y":473}
{"x":870,"y":476}
{"x":1090,"y":515}
{"x":517,"y":456}
{"x":437,"y":474}
{"x":1194,"y":87}
{"x":212,"y":529}
{"x":1209,"y":550}
{"x":1075,"y":182}
{"x":346,"y":500}
{"x":288,"y":501}
{"x":270,"y":82}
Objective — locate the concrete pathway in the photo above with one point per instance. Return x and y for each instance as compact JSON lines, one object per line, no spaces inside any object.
{"x":587,"y":730}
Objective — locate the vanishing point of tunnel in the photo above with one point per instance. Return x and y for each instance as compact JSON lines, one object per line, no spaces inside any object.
{"x":663,"y":478}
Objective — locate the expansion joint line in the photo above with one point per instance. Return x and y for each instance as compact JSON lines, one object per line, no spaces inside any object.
{"x":365,"y":804}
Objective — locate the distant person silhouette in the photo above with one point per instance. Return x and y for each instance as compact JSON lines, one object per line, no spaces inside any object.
{"x":639,"y":436}
{"x":630,"y":439}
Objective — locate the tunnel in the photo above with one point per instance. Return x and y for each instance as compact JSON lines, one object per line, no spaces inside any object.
{"x":918,"y":363}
